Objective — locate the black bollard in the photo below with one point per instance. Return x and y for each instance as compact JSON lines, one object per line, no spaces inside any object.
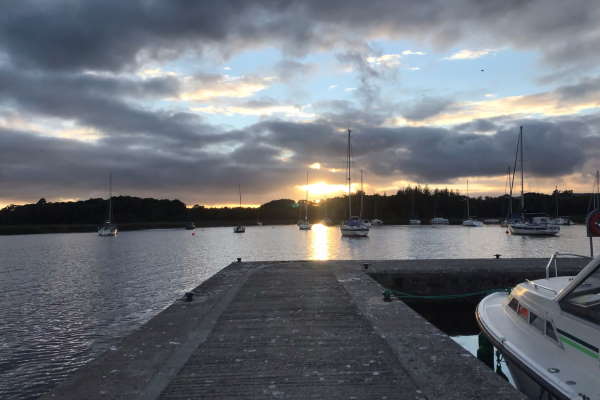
{"x":497,"y":256}
{"x":189,"y":296}
{"x":366,"y":266}
{"x":239,"y":259}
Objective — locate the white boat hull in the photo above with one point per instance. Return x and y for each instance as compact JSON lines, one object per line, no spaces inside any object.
{"x":107,"y":232}
{"x":239,"y":229}
{"x":472,"y":223}
{"x":352,"y":231}
{"x":414,"y":222}
{"x":534,"y":229}
{"x":305,"y":227}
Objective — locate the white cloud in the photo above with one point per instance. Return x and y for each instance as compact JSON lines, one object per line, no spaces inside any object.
{"x":469,"y":54}
{"x":386,"y":60}
{"x":413,"y":53}
{"x":489,"y":95}
{"x":332,"y":87}
{"x":227,"y":68}
{"x":289,"y":111}
{"x":414,"y":68}
{"x":223,"y":86}
{"x":350,"y":89}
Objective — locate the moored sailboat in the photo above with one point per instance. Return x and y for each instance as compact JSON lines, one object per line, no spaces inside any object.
{"x":471,"y":222}
{"x":240,"y":228}
{"x":108,"y":228}
{"x":305,"y":225}
{"x":530,"y":224}
{"x":353,"y":226}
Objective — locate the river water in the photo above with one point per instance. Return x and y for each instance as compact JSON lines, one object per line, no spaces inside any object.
{"x":66,"y":298}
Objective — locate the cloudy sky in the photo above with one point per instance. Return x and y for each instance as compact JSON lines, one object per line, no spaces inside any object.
{"x":185,"y":99}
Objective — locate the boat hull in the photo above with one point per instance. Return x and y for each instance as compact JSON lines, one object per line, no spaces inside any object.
{"x":351,"y":231}
{"x":472,"y":223}
{"x":239,"y":229}
{"x":414,"y":222}
{"x":107,"y":232}
{"x":305,"y":227}
{"x":534,"y":230}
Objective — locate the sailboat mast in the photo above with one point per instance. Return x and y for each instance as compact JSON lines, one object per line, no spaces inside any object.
{"x":556,"y":199}
{"x":522,"y":173}
{"x":596,"y":202}
{"x":349,"y":177}
{"x":362,"y":193}
{"x":468,"y":210}
{"x":510,"y":189}
{"x":109,"y":196}
{"x":240,"y":193}
{"x":306,"y":201}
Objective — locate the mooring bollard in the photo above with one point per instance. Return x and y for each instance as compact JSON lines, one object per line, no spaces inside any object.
{"x":387,"y":295}
{"x":189,"y":296}
{"x":497,"y":256}
{"x":366,"y":265}
{"x":239,"y":259}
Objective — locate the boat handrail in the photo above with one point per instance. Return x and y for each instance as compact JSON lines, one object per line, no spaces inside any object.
{"x":553,"y":261}
{"x":536,"y":285}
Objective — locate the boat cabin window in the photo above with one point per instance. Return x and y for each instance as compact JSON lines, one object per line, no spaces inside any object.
{"x":536,"y":322}
{"x":550,"y":331}
{"x":523,"y":312}
{"x":584,"y":299}
{"x":514,"y":304}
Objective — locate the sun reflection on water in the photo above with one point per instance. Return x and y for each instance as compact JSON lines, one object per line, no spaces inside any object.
{"x":320,"y":242}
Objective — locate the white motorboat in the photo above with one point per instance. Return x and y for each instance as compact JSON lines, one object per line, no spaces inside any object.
{"x":354,"y":226}
{"x":414,"y":221}
{"x":304,"y":225}
{"x":376,"y":222}
{"x":548,"y":331}
{"x":108,"y":228}
{"x":239,"y":228}
{"x":534,"y":225}
{"x":439,"y":221}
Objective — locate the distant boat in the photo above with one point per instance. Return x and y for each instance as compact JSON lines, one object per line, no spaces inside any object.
{"x":108,"y":228}
{"x":489,"y":221}
{"x":239,"y":228}
{"x":190,"y":225}
{"x":304,"y":225}
{"x":354,"y":226}
{"x":471,"y":222}
{"x":413,"y":220}
{"x":439,"y":221}
{"x":558,"y":220}
{"x":375,"y":221}
{"x":531,"y":224}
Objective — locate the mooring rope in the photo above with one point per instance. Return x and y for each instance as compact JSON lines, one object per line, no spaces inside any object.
{"x":404,"y":295}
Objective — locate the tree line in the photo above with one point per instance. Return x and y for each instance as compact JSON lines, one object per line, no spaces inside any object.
{"x":410,"y":202}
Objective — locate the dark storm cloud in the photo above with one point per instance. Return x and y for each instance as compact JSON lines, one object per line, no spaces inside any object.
{"x":112,"y":35}
{"x":427,"y":107}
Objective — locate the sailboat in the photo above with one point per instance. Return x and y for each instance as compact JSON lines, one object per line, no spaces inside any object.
{"x":375,"y":221}
{"x":108,"y":228}
{"x":470,"y":221}
{"x":413,"y":219}
{"x":362,"y":199}
{"x":531,"y":224}
{"x":353,"y":227}
{"x":558,"y":220}
{"x":239,"y":228}
{"x":304,"y":225}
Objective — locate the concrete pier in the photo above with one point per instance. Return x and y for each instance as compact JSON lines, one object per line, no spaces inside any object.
{"x":306,"y":330}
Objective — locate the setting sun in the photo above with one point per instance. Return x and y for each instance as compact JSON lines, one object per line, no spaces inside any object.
{"x":326,"y":189}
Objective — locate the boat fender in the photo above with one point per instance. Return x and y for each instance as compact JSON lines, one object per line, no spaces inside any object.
{"x":485,"y":352}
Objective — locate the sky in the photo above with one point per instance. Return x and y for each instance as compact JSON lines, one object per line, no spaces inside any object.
{"x":188,"y":100}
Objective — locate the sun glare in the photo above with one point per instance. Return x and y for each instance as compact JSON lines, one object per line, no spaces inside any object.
{"x":325,"y":189}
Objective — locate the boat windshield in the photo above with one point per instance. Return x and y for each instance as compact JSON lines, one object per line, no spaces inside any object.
{"x":584,"y":299}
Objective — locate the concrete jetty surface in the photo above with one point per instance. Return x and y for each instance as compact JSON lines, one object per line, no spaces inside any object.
{"x":306,"y":330}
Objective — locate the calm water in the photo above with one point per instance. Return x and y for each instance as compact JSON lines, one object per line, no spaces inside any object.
{"x":65,"y":298}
